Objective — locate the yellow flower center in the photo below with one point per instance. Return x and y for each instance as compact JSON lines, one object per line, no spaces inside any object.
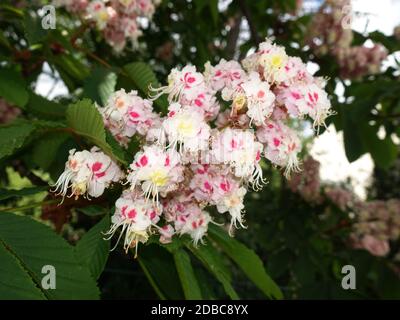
{"x":239,"y":102}
{"x":276,"y":61}
{"x":103,"y":16}
{"x":79,"y":188}
{"x":159,"y":178}
{"x":185,"y":128}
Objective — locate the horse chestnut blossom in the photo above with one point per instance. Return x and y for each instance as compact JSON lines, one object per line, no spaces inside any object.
{"x":156,"y":170}
{"x":127,"y":114}
{"x":135,"y":215}
{"x":206,"y":152}
{"x":117,"y":20}
{"x":281,"y":145}
{"x":187,"y":130}
{"x":87,"y":173}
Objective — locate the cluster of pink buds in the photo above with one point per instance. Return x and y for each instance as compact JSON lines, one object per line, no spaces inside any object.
{"x":7,"y":112}
{"x":377,"y":222}
{"x":308,"y":182}
{"x":330,"y":33}
{"x":207,"y":150}
{"x":118,"y":20}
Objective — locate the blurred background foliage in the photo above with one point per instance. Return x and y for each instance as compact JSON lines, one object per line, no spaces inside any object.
{"x":303,"y":236}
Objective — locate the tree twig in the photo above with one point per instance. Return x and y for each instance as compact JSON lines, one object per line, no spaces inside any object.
{"x":253,"y":30}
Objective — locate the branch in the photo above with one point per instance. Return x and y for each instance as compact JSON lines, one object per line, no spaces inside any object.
{"x":233,"y":36}
{"x":253,"y":30}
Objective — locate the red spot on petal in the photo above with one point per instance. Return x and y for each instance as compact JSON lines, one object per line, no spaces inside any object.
{"x":143,"y":161}
{"x":153,"y":215}
{"x":225,"y":186}
{"x":296,"y":95}
{"x":260,"y":94}
{"x":100,"y":174}
{"x":207,"y":186}
{"x":277,"y":142}
{"x":194,"y":225}
{"x":96,"y":166}
{"x":167,"y":162}
{"x":134,"y":114}
{"x":123,"y":210}
{"x":218,"y":73}
{"x":233,"y":144}
{"x":132,"y":214}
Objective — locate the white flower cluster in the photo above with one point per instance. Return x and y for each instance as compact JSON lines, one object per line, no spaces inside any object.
{"x":207,"y":149}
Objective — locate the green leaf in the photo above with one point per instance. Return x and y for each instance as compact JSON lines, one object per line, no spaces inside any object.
{"x":159,"y":268}
{"x":13,"y":87}
{"x":353,"y":141}
{"x":100,"y":85}
{"x":34,"y":32}
{"x":214,"y":262}
{"x":11,"y":193}
{"x":186,"y":274}
{"x":19,"y":286}
{"x":92,"y":250}
{"x":35,"y":245}
{"x":143,"y":77}
{"x":13,"y":137}
{"x":384,"y":152}
{"x":44,"y":108}
{"x":45,"y":149}
{"x":86,"y":120}
{"x":247,"y":260}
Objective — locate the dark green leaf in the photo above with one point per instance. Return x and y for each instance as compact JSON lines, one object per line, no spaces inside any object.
{"x":13,"y":87}
{"x":159,"y":267}
{"x":13,"y":137}
{"x":100,"y":85}
{"x":35,"y":245}
{"x":186,"y":275}
{"x":92,"y":250}
{"x":213,"y":261}
{"x":247,"y":260}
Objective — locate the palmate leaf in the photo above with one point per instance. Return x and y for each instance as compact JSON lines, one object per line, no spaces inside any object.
{"x":214,"y":262}
{"x":27,"y":246}
{"x":20,"y":285}
{"x":92,"y":250}
{"x":100,"y":85}
{"x":13,"y":87}
{"x":159,"y":268}
{"x":186,"y":274}
{"x":44,"y":108}
{"x":86,"y":121}
{"x":143,"y":77}
{"x":13,"y":137}
{"x":247,"y":260}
